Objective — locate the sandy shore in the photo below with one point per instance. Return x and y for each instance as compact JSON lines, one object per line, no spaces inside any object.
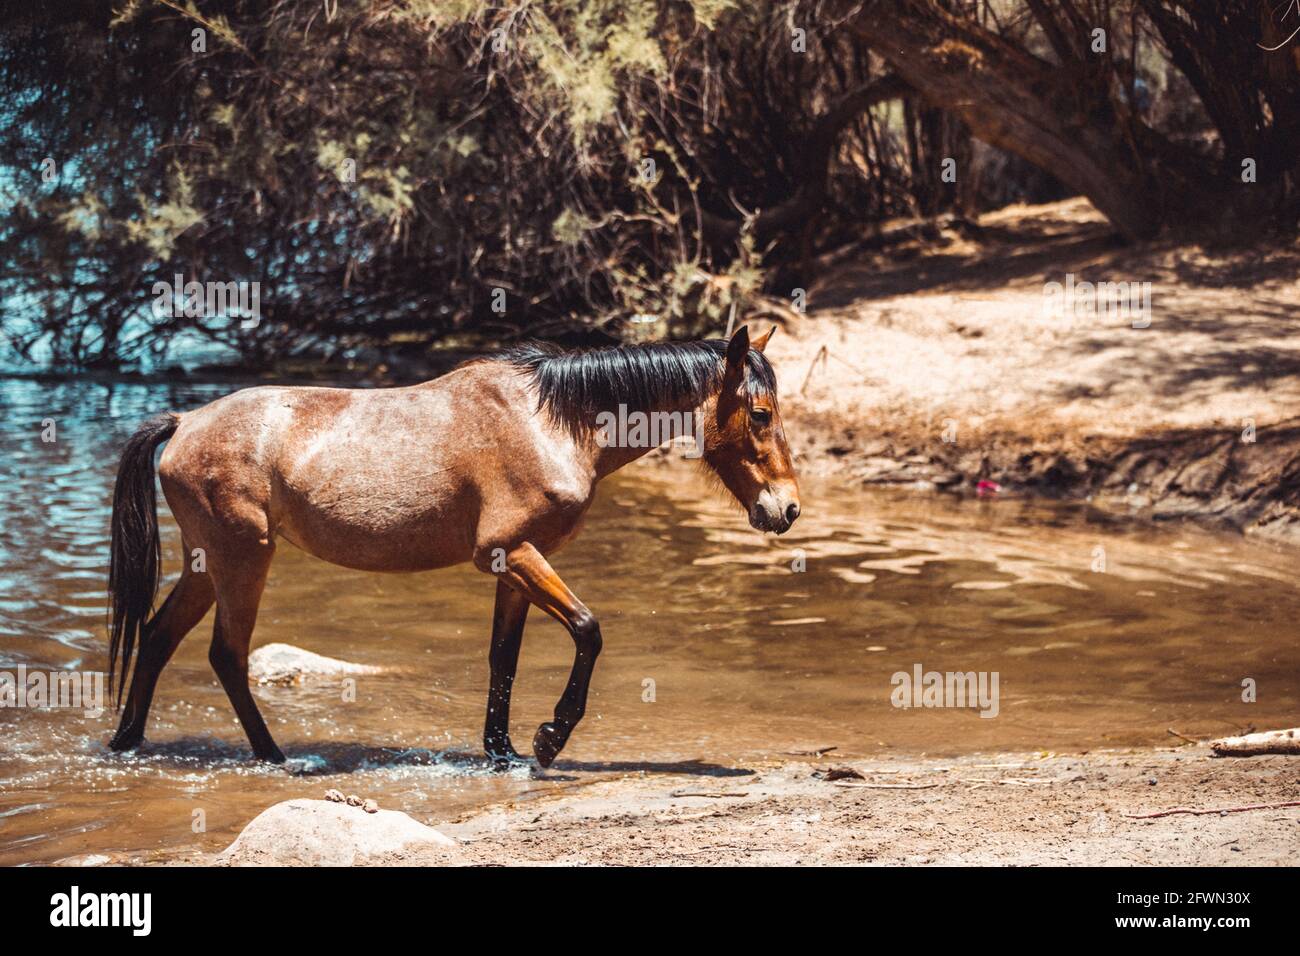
{"x":1027,"y":809}
{"x":943,"y":362}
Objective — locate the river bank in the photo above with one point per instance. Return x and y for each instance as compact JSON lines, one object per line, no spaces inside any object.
{"x":1086,"y":809}
{"x":1177,"y":806}
{"x":1003,"y":809}
{"x":953,"y":360}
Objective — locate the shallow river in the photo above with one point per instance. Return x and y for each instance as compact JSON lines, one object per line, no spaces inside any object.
{"x":718,"y":650}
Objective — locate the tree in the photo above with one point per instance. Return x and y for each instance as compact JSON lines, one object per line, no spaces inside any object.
{"x":1077,"y":113}
{"x":438,"y":171}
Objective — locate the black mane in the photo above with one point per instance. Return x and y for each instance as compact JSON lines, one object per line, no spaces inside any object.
{"x":576,"y":385}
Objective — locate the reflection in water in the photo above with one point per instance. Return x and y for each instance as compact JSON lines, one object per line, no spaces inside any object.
{"x":746,"y":656}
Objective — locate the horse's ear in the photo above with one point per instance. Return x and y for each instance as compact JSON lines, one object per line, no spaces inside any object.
{"x":760,"y":343}
{"x":737,"y":356}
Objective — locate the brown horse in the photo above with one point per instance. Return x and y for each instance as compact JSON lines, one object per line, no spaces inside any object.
{"x":495,"y":462}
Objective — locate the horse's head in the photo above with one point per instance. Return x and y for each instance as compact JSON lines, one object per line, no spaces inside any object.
{"x":744,"y":442}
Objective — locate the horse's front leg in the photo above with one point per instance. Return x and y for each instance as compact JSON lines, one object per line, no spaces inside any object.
{"x":530,"y":574}
{"x":507,"y":631}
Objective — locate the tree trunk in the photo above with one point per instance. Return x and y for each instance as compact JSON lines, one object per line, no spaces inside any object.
{"x":791,"y":216}
{"x":1017,"y":102}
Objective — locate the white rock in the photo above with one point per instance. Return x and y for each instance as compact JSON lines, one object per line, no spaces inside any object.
{"x":320,"y":833}
{"x":286,"y":664}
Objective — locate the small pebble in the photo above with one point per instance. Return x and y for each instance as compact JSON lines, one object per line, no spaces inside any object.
{"x":370,"y":806}
{"x":334,"y":796}
{"x":354,"y":800}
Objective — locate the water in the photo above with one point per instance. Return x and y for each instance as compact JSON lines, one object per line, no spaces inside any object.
{"x":748,"y":658}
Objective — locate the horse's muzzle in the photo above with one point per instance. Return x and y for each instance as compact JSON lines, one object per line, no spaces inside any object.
{"x":770,"y":513}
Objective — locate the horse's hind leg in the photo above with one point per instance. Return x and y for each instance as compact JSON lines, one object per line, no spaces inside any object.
{"x":239,"y":580}
{"x":183,"y":609}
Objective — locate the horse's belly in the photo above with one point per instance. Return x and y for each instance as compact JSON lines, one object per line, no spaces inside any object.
{"x":378,"y":554}
{"x":378,"y":529}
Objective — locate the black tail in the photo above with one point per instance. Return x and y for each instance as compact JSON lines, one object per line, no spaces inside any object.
{"x":134,"y":564}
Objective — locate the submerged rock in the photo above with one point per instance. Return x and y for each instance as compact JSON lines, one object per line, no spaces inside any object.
{"x":320,"y":833}
{"x":286,"y":664}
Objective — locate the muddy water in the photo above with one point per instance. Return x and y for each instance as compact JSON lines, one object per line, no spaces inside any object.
{"x":745,"y":657}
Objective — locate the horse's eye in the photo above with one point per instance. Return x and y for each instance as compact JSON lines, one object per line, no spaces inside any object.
{"x":761,"y":416}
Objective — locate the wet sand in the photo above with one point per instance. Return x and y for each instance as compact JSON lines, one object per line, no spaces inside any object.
{"x":977,"y":810}
{"x":992,"y":809}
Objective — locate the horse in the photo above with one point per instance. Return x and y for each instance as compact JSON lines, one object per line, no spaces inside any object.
{"x":495,"y":462}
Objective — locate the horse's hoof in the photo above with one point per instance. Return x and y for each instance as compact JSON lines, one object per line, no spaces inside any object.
{"x":548,"y":742}
{"x":502,"y":762}
{"x":271,"y":756}
{"x":123,"y":741}
{"x":501,"y":752}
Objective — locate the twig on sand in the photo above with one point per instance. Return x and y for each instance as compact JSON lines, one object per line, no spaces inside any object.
{"x":886,"y":786}
{"x":1190,"y":740}
{"x":820,"y":751}
{"x":821,"y":355}
{"x":687,"y":817}
{"x":1250,"y":745}
{"x":725,"y":846}
{"x":1212,"y":811}
{"x":1015,"y":781}
{"x":712,"y":796}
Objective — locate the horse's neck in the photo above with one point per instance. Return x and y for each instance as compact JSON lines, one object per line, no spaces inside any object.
{"x":626,"y":436}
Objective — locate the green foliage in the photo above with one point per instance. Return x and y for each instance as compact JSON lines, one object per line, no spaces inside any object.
{"x":158,"y":224}
{"x":586,"y":53}
{"x":382,"y":168}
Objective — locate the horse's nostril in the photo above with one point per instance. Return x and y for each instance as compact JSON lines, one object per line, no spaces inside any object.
{"x":792,"y":512}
